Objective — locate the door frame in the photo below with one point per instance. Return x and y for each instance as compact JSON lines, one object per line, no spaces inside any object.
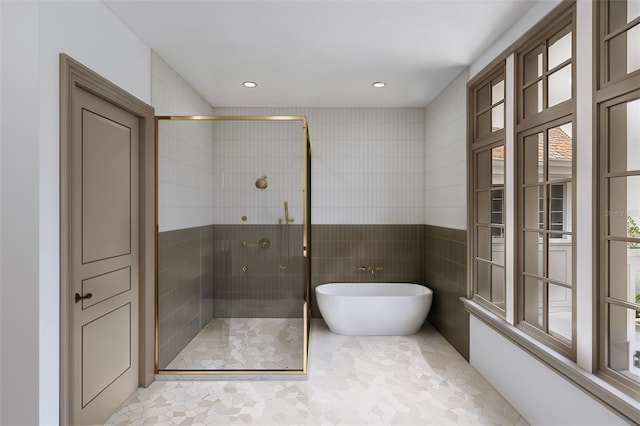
{"x":72,"y":75}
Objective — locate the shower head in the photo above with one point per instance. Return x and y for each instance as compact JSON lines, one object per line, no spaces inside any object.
{"x":261,"y":183}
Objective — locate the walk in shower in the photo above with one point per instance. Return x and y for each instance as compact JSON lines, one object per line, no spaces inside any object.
{"x":233,"y":220}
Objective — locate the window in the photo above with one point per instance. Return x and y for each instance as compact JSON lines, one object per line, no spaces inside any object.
{"x":489,"y":107}
{"x":542,"y":251}
{"x":620,"y":39}
{"x":497,"y":211}
{"x":488,"y":194}
{"x":546,"y":73}
{"x":618,"y":134}
{"x":620,"y":242}
{"x":538,"y":202}
{"x":545,"y":175}
{"x":557,"y":220}
{"x":546,"y":248}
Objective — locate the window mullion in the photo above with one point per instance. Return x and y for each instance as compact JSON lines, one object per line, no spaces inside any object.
{"x":545,"y":76}
{"x":622,"y":303}
{"x":622,"y":29}
{"x":510,"y":190}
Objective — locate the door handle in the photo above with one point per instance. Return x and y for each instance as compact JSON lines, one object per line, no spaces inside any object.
{"x":86,"y":296}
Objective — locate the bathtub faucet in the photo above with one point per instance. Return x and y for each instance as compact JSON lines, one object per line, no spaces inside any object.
{"x":372,"y":269}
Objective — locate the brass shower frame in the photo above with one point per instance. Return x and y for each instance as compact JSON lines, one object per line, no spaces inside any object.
{"x":306,"y":218}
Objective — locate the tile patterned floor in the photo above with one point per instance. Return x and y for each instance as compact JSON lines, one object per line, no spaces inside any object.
{"x":244,"y":344}
{"x":353,"y":380}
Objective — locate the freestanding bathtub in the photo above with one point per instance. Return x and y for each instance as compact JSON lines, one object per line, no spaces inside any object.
{"x":374,"y":309}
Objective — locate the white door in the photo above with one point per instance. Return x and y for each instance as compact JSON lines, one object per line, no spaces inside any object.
{"x":104,"y":257}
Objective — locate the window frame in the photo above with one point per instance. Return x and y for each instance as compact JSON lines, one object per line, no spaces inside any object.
{"x":608,"y":94}
{"x":567,"y":19}
{"x":603,"y":237}
{"x":601,"y":52}
{"x":550,"y":117}
{"x":560,"y":344}
{"x":582,"y":372}
{"x":477,"y":144}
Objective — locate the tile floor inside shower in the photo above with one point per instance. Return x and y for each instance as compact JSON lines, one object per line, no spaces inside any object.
{"x":352,"y":380}
{"x":244,"y":344}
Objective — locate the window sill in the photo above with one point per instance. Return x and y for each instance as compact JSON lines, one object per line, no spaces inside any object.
{"x":619,"y":402}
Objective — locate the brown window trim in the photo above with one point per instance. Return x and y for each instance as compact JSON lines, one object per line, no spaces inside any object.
{"x":601,"y":71}
{"x":558,"y":344}
{"x":474,"y":146}
{"x":542,"y":121}
{"x":563,"y":10}
{"x":604,"y":301}
{"x":601,"y":387}
{"x":556,"y":24}
{"x":607,"y":94}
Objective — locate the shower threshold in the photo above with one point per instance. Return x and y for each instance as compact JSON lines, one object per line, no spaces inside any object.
{"x":247,"y":345}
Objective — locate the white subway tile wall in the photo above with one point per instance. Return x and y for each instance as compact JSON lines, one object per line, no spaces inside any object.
{"x":185,"y":151}
{"x":367,"y":163}
{"x":244,"y":151}
{"x":445,"y":157}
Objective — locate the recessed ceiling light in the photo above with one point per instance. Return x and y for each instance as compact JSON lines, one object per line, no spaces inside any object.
{"x":379,"y":84}
{"x":250,"y":84}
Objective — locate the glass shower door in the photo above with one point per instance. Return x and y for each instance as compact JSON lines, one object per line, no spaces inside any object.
{"x":233,"y":294}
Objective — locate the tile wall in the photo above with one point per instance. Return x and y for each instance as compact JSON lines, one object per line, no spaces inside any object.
{"x":185,"y":174}
{"x":185,"y":211}
{"x":445,"y":211}
{"x":367,"y":163}
{"x":429,"y":255}
{"x":248,"y":280}
{"x":375,"y":182}
{"x":185,"y":151}
{"x":192,"y":292}
{"x":338,"y":250}
{"x":445,"y":272}
{"x":185,"y":287}
{"x":445,"y":165}
{"x":244,"y":151}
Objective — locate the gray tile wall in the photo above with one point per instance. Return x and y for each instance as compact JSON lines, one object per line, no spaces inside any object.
{"x":264,"y":290}
{"x":206,"y":275}
{"x":185,"y":289}
{"x":445,"y":272}
{"x":201,"y":275}
{"x":338,"y":250}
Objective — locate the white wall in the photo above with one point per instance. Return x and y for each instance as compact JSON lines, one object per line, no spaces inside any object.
{"x":0,"y":204}
{"x":445,"y":166}
{"x":367,"y":163}
{"x":185,"y":151}
{"x":33,"y":35}
{"x":539,"y":394}
{"x":19,"y":214}
{"x":529,"y":19}
{"x":171,"y":94}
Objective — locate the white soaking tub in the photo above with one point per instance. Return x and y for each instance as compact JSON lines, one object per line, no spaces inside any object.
{"x":374,"y":309}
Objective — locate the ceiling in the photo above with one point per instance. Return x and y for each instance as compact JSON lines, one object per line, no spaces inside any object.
{"x":319,"y":52}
